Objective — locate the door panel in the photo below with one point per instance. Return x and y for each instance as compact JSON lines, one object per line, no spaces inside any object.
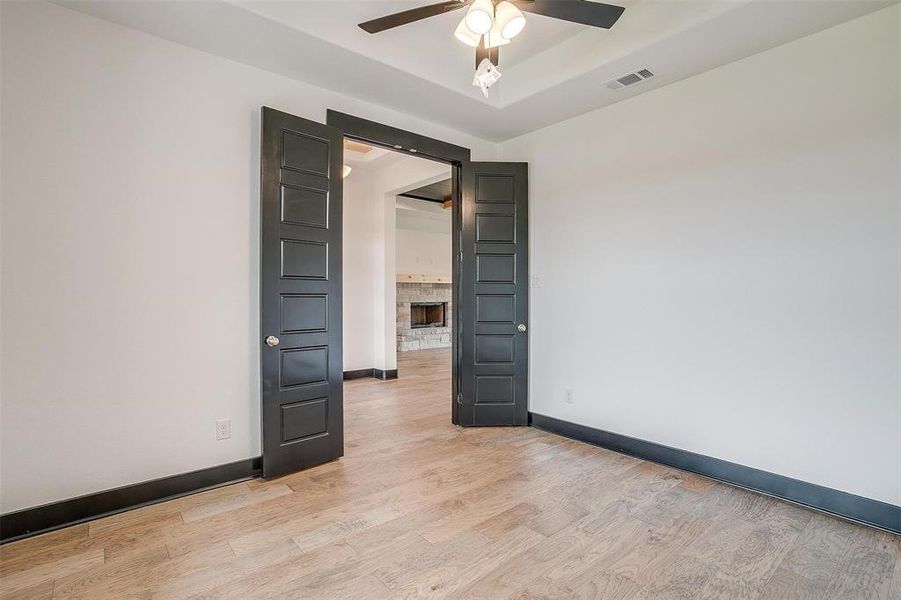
{"x":494,"y":291}
{"x":301,"y":194}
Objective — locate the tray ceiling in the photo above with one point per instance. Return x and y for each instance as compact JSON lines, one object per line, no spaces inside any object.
{"x":553,"y":71}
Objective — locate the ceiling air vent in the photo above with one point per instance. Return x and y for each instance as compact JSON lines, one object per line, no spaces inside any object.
{"x":630,"y":79}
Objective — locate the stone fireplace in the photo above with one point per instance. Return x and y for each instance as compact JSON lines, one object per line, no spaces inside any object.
{"x":423,"y":315}
{"x":427,"y":314}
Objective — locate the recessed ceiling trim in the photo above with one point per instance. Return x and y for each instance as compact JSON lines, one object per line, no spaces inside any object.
{"x":563,"y":80}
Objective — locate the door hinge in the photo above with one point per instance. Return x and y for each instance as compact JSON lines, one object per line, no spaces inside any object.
{"x":460,"y":398}
{"x":460,"y":256}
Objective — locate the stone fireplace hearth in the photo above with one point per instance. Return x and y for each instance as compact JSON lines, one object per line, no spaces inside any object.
{"x":420,"y":309}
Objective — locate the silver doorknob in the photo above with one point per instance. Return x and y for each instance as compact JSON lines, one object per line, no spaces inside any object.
{"x":272,"y":341}
{"x":521,"y":327}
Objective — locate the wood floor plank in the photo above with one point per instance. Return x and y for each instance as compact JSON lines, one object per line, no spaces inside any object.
{"x":377,"y":539}
{"x":323,"y":581}
{"x":41,"y":544}
{"x":585,"y":572}
{"x":577,"y":543}
{"x":657,"y":547}
{"x":234,"y":502}
{"x":866,"y":564}
{"x":223,"y":575}
{"x":419,"y":508}
{"x":448,"y":577}
{"x":13,"y":583}
{"x":278,"y":579}
{"x":148,"y":571}
{"x":346,"y":527}
{"x":819,"y":549}
{"x":788,"y":585}
{"x":507,"y":521}
{"x":40,"y":591}
{"x":891,"y":587}
{"x":367,"y":586}
{"x":750,"y":565}
{"x":588,"y":585}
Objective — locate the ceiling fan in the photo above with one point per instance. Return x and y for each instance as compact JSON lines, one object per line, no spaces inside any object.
{"x":489,"y":24}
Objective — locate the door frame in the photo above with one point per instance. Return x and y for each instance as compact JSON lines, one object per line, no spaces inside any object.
{"x":413,"y":144}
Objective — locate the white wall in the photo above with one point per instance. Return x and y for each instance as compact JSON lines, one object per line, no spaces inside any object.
{"x":424,"y":243}
{"x":361,"y":245}
{"x":130,"y":251}
{"x":719,"y":262}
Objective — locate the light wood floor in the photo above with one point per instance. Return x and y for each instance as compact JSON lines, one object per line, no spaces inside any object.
{"x":419,"y":508}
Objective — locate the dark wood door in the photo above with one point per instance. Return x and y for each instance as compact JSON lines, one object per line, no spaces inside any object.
{"x":300,"y":194}
{"x":494,"y":295}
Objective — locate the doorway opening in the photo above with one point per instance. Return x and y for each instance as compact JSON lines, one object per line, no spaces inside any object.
{"x":385,"y":137}
{"x":398,"y":273}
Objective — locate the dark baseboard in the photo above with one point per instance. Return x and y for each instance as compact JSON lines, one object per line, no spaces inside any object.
{"x":357,"y":374}
{"x":842,"y":504}
{"x":41,"y":519}
{"x":377,"y":373}
{"x":384,"y":375}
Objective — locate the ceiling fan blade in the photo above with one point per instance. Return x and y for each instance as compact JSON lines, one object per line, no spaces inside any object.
{"x":409,"y":16}
{"x":575,"y":11}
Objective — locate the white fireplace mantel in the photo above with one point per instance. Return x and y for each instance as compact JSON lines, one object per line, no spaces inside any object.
{"x":422,"y":278}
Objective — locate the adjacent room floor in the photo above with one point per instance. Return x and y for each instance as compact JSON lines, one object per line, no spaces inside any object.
{"x":420,"y":508}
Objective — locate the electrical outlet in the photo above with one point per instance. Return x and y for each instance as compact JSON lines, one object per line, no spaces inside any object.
{"x":223,"y":429}
{"x":568,"y":398}
{"x":536,"y":281}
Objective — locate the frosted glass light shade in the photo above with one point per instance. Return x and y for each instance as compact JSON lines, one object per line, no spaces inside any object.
{"x":480,"y":16}
{"x":508,"y":20}
{"x":466,"y":36}
{"x":493,"y":38}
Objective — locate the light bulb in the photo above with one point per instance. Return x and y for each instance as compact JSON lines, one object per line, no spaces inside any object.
{"x":466,"y":36}
{"x":508,"y":20}
{"x":480,"y":16}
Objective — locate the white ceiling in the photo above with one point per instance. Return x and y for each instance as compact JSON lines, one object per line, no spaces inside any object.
{"x":552,"y":71}
{"x":416,"y":48}
{"x":375,"y":158}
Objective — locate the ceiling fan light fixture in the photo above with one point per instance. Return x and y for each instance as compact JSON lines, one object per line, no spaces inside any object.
{"x":493,"y":38}
{"x":465,"y":35}
{"x":480,"y":17}
{"x":508,"y":20}
{"x":486,"y":75}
